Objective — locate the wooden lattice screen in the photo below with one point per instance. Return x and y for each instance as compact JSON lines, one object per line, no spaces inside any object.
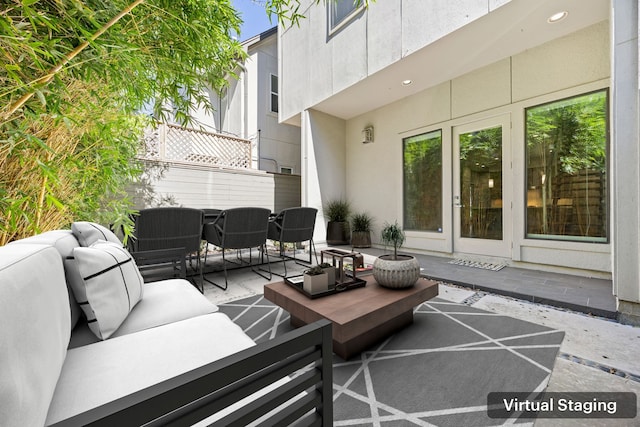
{"x":172,"y":143}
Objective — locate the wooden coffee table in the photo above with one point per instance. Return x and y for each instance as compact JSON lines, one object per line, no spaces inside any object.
{"x":360,"y":317}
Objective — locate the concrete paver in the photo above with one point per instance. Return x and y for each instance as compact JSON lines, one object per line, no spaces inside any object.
{"x":600,"y":340}
{"x":587,"y":339}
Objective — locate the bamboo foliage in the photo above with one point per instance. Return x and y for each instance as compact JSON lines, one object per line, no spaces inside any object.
{"x":78,"y":175}
{"x":76,"y":73}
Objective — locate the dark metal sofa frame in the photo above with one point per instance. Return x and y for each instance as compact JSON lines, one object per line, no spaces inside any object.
{"x":304,"y":354}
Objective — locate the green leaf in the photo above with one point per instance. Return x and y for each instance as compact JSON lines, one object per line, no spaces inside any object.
{"x":41,"y":97}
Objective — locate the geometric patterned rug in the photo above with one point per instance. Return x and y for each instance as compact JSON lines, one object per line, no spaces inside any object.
{"x":436,"y":372}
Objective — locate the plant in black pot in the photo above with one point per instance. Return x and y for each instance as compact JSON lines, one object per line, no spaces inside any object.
{"x":361,"y":224}
{"x":395,"y":270}
{"x":338,"y":232}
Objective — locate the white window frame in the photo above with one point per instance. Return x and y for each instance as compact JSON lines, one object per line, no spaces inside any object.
{"x":337,"y":26}
{"x":272,"y":93}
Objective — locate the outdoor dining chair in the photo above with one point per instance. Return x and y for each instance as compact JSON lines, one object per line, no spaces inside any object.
{"x":238,"y":228}
{"x":161,"y":232}
{"x":293,"y":225}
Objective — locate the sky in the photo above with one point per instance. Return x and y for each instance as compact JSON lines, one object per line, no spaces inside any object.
{"x":254,"y":16}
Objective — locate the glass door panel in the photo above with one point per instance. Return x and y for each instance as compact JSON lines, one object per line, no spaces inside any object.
{"x":481,"y":184}
{"x":482,"y":207}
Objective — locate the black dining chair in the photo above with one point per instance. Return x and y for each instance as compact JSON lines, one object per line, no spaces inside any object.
{"x":293,"y":225}
{"x":166,"y":232}
{"x":238,"y":228}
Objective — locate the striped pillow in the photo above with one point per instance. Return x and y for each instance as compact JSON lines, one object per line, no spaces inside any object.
{"x":106,"y":283}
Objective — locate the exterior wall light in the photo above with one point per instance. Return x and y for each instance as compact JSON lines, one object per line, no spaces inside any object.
{"x":367,"y":135}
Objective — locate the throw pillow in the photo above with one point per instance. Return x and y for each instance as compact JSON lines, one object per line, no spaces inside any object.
{"x":106,"y":284}
{"x":88,"y":233}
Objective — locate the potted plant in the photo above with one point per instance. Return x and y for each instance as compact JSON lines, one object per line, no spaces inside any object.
{"x":331,"y":272}
{"x":394,"y":270}
{"x":337,"y":212}
{"x":315,"y":280}
{"x":361,"y":224}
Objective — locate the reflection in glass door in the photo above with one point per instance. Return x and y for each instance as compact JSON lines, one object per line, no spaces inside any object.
{"x":481,"y":184}
{"x":482,"y":206}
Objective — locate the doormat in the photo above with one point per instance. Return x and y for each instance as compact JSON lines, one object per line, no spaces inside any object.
{"x":478,"y":264}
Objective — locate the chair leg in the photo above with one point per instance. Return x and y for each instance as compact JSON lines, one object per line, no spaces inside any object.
{"x":201,"y":268}
{"x":224,"y":267}
{"x":283,"y":257}
{"x":284,"y":260}
{"x":257,"y":271}
{"x":198,"y":270}
{"x":210,"y":281}
{"x":263,"y":250}
{"x":311,"y":250}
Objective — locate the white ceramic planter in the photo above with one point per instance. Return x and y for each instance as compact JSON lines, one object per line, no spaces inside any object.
{"x":316,"y":283}
{"x":401,"y":273}
{"x":332,"y":274}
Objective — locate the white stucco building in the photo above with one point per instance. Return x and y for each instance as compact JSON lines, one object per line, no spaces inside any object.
{"x":490,"y":129}
{"x":248,"y":109}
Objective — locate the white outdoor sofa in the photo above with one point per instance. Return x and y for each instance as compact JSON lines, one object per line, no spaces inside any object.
{"x":169,"y":358}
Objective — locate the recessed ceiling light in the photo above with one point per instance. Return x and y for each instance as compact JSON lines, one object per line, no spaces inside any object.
{"x":406,"y":82}
{"x":556,"y":17}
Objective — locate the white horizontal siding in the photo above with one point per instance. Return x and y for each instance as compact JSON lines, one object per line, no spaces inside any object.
{"x":201,"y":187}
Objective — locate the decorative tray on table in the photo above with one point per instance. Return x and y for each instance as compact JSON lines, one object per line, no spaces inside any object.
{"x":297,"y":281}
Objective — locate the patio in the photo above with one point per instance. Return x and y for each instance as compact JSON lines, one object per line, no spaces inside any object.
{"x":588,"y":295}
{"x":584,"y":294}
{"x":455,"y":341}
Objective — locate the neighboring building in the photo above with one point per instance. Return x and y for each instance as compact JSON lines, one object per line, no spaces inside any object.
{"x":239,"y":155}
{"x":499,"y":130}
{"x":248,"y":109}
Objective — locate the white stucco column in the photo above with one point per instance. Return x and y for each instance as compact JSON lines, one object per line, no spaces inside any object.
{"x":323,"y":152}
{"x":625,"y":165}
{"x":305,"y":142}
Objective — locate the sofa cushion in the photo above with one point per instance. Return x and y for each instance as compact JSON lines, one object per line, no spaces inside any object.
{"x":164,"y":302}
{"x":107,"y":370}
{"x":88,"y":233}
{"x":65,"y":242}
{"x":107,"y":285}
{"x":35,"y":326}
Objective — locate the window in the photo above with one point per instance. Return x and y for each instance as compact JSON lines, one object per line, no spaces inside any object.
{"x":341,"y":12}
{"x":566,"y":159}
{"x":274,"y":93}
{"x":422,"y":158}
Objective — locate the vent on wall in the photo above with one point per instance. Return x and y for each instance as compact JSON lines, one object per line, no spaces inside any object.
{"x":367,"y":135}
